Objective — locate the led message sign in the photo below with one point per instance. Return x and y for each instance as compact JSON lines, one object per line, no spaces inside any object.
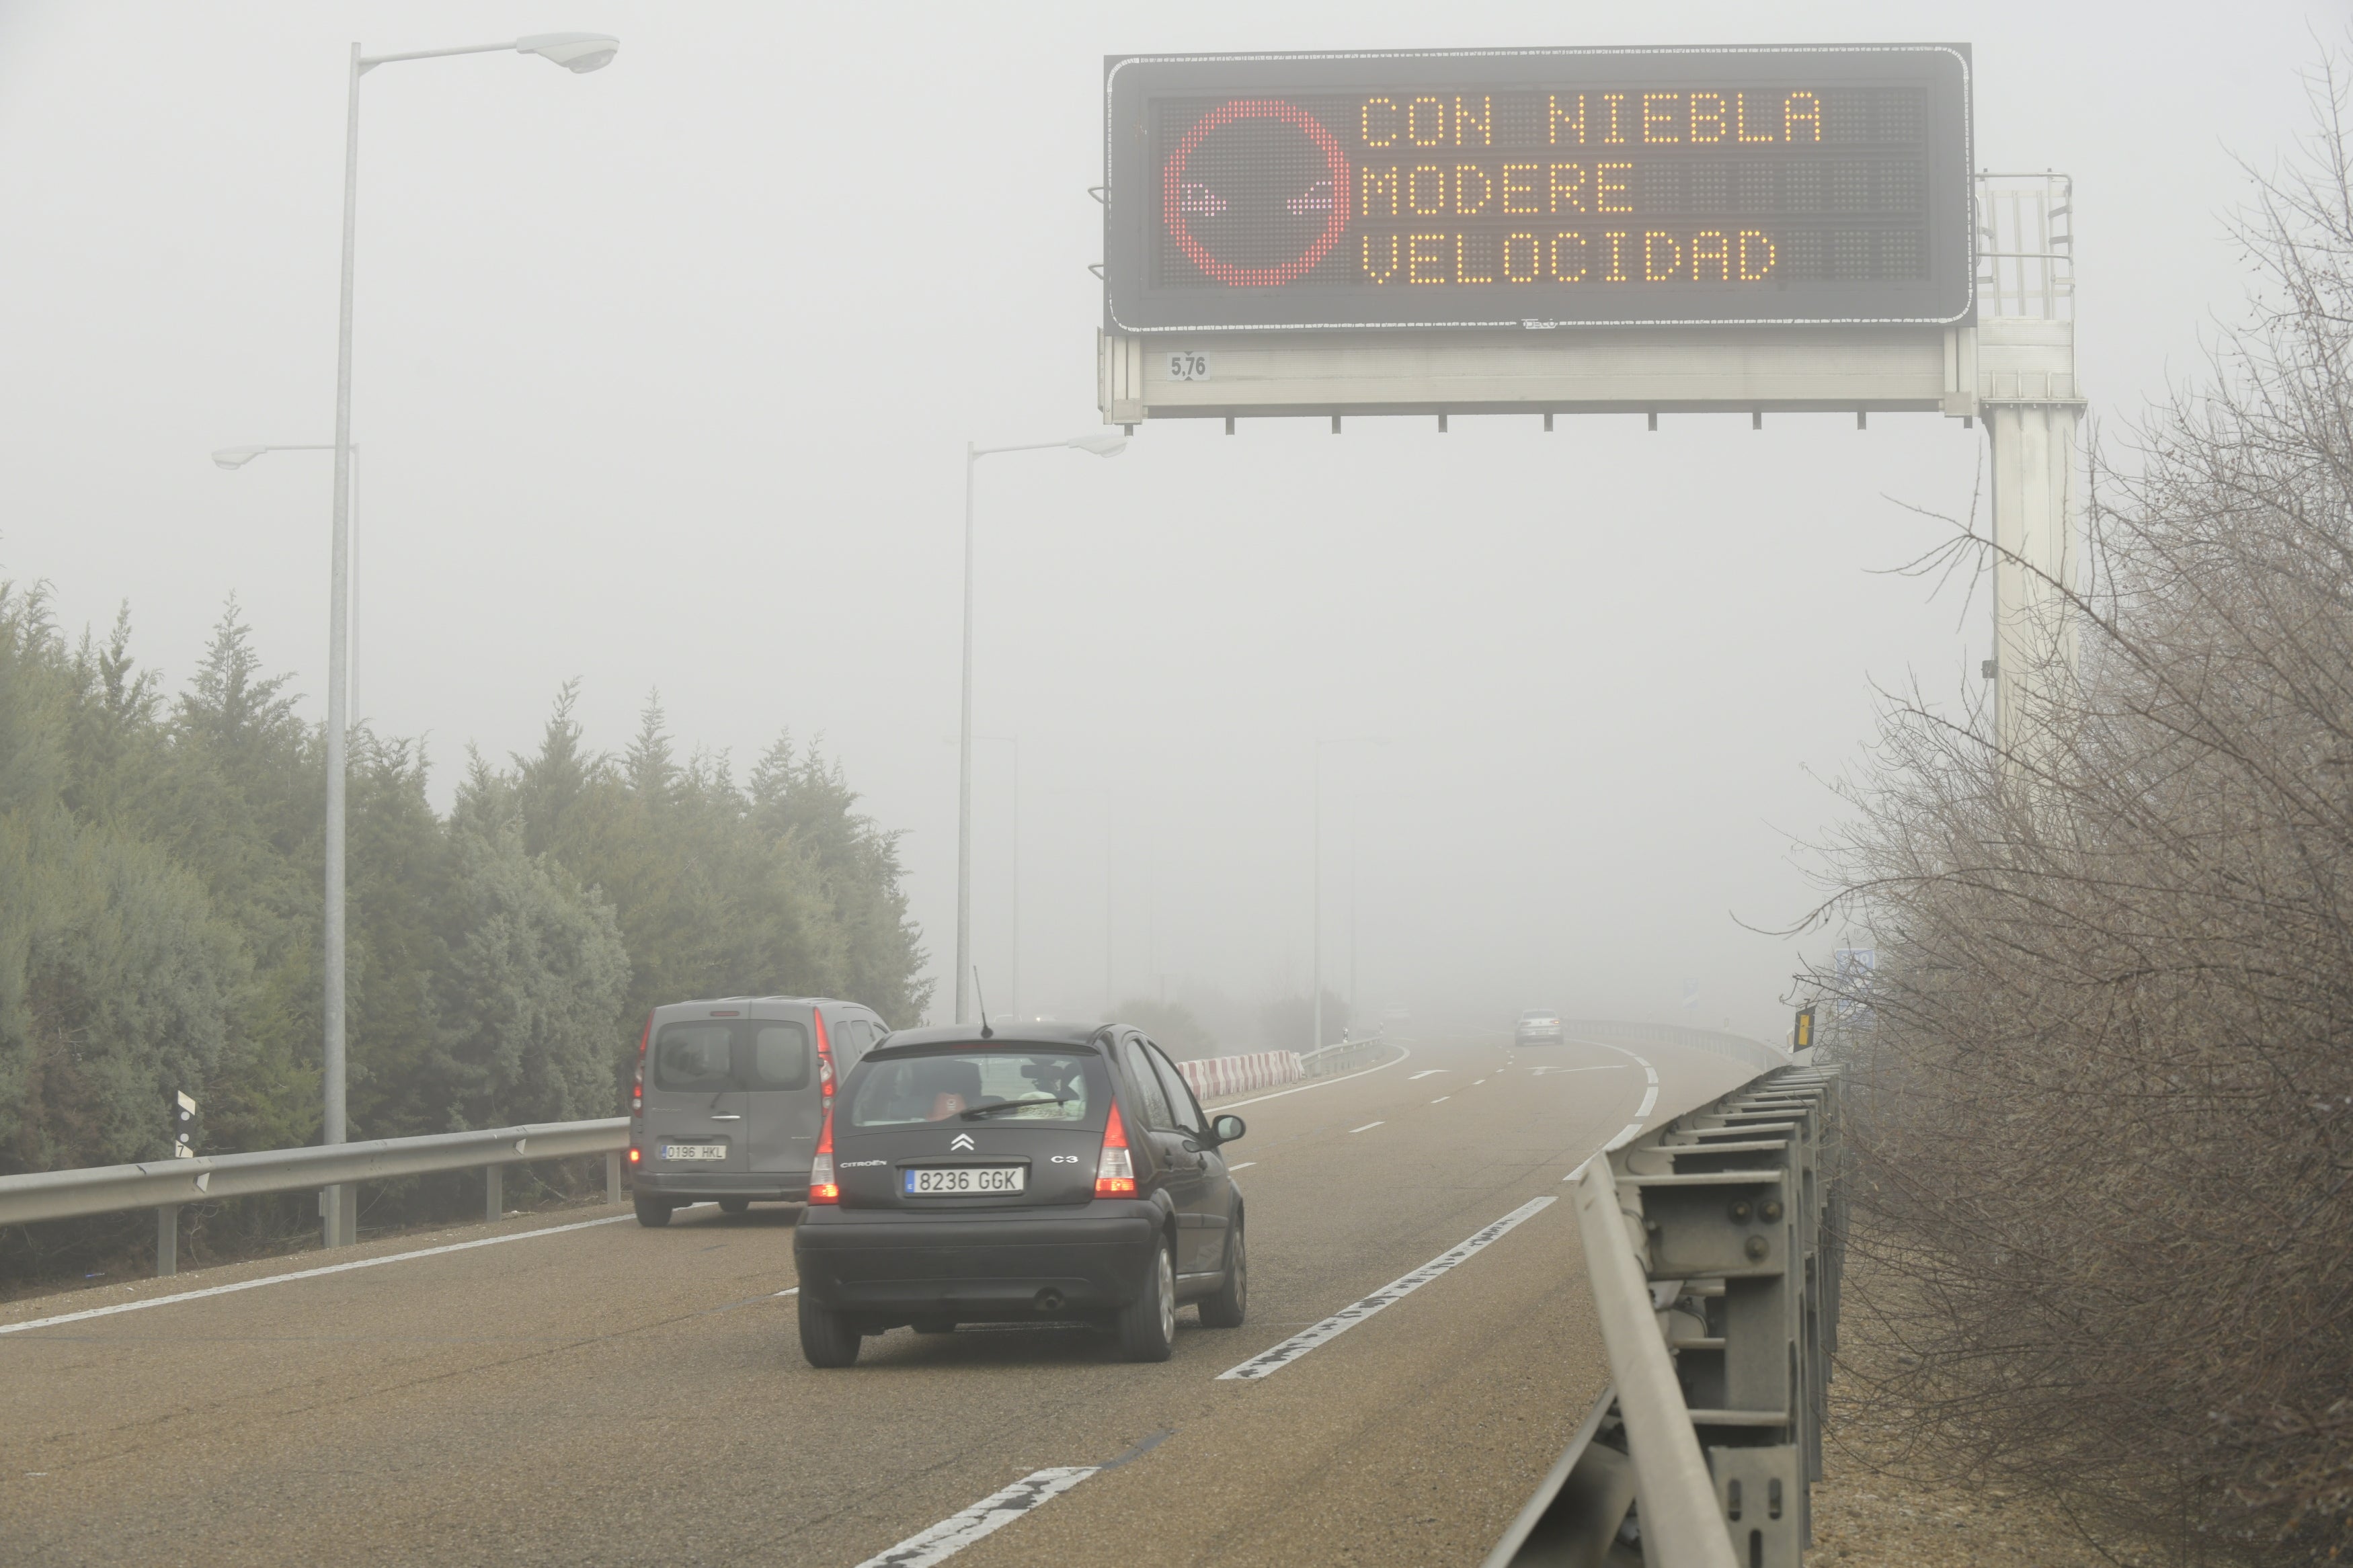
{"x":1538,"y":187}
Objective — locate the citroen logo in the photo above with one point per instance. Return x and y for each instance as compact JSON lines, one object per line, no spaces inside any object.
{"x":960,"y":1141}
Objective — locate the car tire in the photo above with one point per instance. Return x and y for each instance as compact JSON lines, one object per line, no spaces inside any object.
{"x":1225,"y":1310}
{"x":826,"y":1339}
{"x":1147,"y":1325}
{"x":734,"y":1206}
{"x":652,"y":1212}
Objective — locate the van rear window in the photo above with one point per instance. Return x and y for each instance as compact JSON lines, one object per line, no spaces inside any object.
{"x":711,"y":1056}
{"x":1033,"y":1085}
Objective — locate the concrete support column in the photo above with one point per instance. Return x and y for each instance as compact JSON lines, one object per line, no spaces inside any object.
{"x":2033,"y":462}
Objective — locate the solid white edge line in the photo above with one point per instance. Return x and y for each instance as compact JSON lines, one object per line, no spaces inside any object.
{"x":1367,"y":1127}
{"x":1275,"y":1358}
{"x":991,"y":1514}
{"x":1245,"y":1165}
{"x":1649,"y":1099}
{"x":1441,"y":1100}
{"x":1403,"y":1052}
{"x":302,"y":1274}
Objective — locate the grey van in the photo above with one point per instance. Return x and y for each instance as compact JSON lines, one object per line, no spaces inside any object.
{"x":730,"y":1096}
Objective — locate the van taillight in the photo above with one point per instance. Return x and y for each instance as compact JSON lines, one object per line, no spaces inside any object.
{"x":823,"y":1188}
{"x":638,"y":1083}
{"x":1114,"y":1169}
{"x":635,"y":1155}
{"x":824,"y":1056}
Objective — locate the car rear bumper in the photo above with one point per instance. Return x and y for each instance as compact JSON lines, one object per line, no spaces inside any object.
{"x":893,"y":1267}
{"x":788,"y":1187}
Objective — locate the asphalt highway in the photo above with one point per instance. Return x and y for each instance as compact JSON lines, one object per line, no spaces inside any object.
{"x":605,"y":1394}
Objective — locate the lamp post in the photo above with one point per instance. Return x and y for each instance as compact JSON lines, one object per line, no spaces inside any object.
{"x":577,"y":52}
{"x":1315,"y":962}
{"x":235,"y":457}
{"x":1100,"y":446}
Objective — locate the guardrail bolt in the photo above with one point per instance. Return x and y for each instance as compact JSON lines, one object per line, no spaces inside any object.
{"x":1739,"y":1210}
{"x":1756,"y":1249}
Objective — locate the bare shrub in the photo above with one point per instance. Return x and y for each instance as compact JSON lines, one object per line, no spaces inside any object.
{"x":2105,"y":1093}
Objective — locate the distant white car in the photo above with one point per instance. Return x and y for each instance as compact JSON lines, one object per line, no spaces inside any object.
{"x":1538,"y":1026}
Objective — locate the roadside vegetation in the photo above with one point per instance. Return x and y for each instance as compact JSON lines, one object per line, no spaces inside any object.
{"x":2103,"y":1076}
{"x":161,"y":878}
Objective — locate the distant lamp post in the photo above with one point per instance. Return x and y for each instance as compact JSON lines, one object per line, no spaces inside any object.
{"x":1102,"y":445}
{"x":235,"y":457}
{"x":1315,"y":964}
{"x":574,"y":52}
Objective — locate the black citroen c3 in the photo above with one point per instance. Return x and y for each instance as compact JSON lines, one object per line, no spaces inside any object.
{"x":1049,"y":1173}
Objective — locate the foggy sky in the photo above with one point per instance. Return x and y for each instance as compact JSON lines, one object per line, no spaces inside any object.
{"x":664,"y":375}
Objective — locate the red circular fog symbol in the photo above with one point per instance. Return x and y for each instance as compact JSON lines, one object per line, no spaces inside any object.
{"x":1179,"y":200}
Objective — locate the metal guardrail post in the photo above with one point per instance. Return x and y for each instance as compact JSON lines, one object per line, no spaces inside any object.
{"x":613,"y":1177}
{"x":1714,"y":1246}
{"x":494,"y":1192}
{"x":167,"y":1240}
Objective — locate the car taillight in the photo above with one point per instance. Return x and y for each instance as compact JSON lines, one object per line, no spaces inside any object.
{"x":1115,"y":1168}
{"x":637,"y":1084}
{"x":635,"y":1155}
{"x":824,"y":1058}
{"x":823,"y":1189}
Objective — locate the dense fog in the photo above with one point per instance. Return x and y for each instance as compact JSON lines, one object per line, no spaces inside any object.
{"x":663,"y":380}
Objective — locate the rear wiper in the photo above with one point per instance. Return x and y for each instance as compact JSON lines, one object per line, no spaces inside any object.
{"x":980,"y":1111}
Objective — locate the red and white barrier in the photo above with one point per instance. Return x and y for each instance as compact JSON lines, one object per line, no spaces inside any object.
{"x":1213,"y":1078}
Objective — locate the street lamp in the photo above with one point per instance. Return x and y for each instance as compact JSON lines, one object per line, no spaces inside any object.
{"x":574,"y":52}
{"x":235,"y":457}
{"x":1102,"y":445}
{"x":1315,"y":962}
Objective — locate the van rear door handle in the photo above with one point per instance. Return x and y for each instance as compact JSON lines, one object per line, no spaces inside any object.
{"x":729,"y":1116}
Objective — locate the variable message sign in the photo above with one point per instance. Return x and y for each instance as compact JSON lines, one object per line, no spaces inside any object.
{"x":1538,"y":187}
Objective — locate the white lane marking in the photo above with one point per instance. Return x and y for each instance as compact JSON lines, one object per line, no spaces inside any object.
{"x":1388,"y":1295}
{"x":1245,"y":1165}
{"x":1403,"y":1052}
{"x":1476,"y":1083}
{"x":1426,"y":1072}
{"x":301,"y":1274}
{"x":1605,"y":1067}
{"x":991,"y":1514}
{"x":1441,"y":1100}
{"x":1367,"y":1127}
{"x":1649,"y":1099}
{"x":1633,"y":1131}
{"x":1649,"y":1074}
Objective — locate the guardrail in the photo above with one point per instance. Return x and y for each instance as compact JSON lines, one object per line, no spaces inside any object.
{"x":1734,"y":1048}
{"x":1712,"y":1246}
{"x":165,"y":1185}
{"x":1340,"y":1055}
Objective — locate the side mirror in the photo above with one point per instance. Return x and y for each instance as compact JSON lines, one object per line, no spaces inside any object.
{"x":1226,"y":1129}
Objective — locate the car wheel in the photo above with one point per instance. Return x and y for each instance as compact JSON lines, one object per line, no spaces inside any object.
{"x":1147,"y":1326}
{"x":827,"y":1337}
{"x":734,"y":1206}
{"x":1225,"y":1310}
{"x":652,"y":1212}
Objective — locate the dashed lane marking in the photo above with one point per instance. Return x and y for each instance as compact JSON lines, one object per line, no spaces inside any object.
{"x":998,"y":1509}
{"x":1367,"y":1127}
{"x":1441,"y":1100}
{"x":1245,"y":1165}
{"x":1426,"y":1072}
{"x":302,"y":1274}
{"x":1396,"y":1290}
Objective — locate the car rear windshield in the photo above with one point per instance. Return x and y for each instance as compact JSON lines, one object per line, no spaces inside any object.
{"x":1050,"y":1085}
{"x":710,"y":1056}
